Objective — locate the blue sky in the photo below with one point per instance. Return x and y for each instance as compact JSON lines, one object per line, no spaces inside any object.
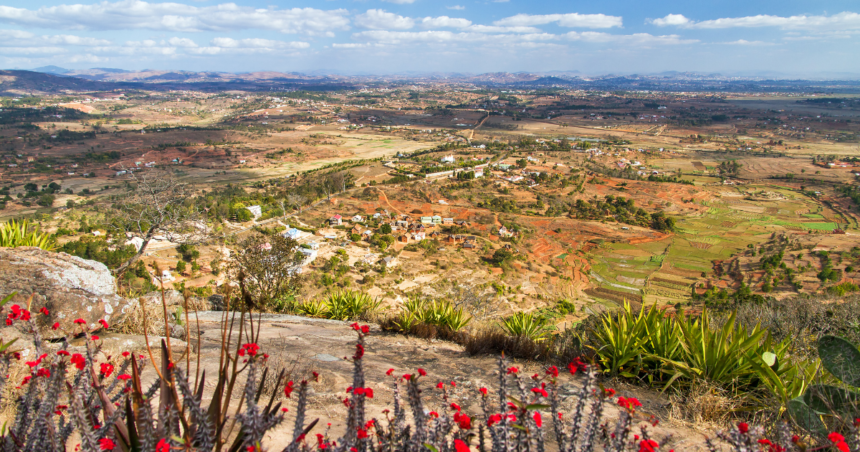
{"x":380,"y":37}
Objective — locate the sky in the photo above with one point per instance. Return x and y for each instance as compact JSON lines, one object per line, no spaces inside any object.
{"x":744,"y":37}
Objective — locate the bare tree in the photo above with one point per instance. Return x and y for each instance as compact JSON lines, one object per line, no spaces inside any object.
{"x":296,"y":200}
{"x":159,"y":205}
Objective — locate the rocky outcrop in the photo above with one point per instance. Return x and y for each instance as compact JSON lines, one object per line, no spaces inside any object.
{"x":68,"y":286}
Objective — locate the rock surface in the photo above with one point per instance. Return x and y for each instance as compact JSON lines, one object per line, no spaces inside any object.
{"x":68,"y":286}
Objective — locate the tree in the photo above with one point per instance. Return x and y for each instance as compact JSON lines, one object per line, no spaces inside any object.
{"x":501,"y":255}
{"x":385,"y":228}
{"x":158,"y":204}
{"x":269,"y":267}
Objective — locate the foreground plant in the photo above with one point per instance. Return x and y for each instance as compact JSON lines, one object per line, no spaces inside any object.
{"x":109,"y":409}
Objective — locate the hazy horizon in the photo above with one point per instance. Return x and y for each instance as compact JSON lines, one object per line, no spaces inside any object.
{"x":398,"y":36}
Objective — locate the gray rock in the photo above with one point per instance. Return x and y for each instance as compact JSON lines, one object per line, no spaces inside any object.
{"x":68,"y":286}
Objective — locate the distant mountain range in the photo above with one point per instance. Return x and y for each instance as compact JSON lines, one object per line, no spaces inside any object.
{"x":49,"y":79}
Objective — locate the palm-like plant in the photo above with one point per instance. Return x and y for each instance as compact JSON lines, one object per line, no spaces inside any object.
{"x":17,"y":233}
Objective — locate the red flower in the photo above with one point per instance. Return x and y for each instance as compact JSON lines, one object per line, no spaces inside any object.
{"x":538,"y":419}
{"x":433,"y":414}
{"x":648,"y":445}
{"x":79,"y":361}
{"x":124,"y":377}
{"x":843,"y":447}
{"x":103,"y":323}
{"x":389,"y":371}
{"x":289,"y":389}
{"x":125,"y":354}
{"x":162,"y":446}
{"x":365,"y":329}
{"x":552,"y":370}
{"x":743,"y":427}
{"x":106,"y":444}
{"x":355,"y":326}
{"x":44,"y":311}
{"x":250,"y":349}
{"x":55,"y":326}
{"x":453,"y":384}
{"x":316,"y":376}
{"x":359,"y":351}
{"x":440,"y":385}
{"x":80,"y":321}
{"x":576,"y":365}
{"x":483,"y":391}
{"x":463,"y":420}
{"x":368,"y":393}
{"x":494,"y":419}
{"x":407,"y":377}
{"x":795,"y":438}
{"x":455,"y":407}
{"x":43,"y":373}
{"x":106,"y":369}
{"x":540,"y":391}
{"x":362,"y":433}
{"x":26,"y":380}
{"x":422,"y":372}
{"x":94,"y":337}
{"x":460,"y":446}
{"x":512,"y":370}
{"x":629,"y":403}
{"x":608,"y":392}
{"x":835,"y":437}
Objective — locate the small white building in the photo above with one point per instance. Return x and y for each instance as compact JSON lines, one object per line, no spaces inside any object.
{"x":256,"y":211}
{"x":448,"y":159}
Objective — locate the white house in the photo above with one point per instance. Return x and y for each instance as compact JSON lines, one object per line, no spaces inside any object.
{"x":256,"y":211}
{"x":448,"y":159}
{"x":357,"y":219}
{"x":293,"y":234}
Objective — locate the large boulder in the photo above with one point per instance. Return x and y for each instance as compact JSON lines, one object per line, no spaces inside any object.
{"x":70,"y":287}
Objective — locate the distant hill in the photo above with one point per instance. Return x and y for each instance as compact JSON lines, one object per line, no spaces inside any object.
{"x":35,"y":83}
{"x":51,"y":70}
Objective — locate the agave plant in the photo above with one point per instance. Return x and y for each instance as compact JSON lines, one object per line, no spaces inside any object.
{"x":526,"y":325}
{"x":345,"y":305}
{"x":17,"y":233}
{"x":441,"y":313}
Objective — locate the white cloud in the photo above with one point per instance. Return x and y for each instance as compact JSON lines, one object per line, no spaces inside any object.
{"x":181,"y":42}
{"x":641,"y":39}
{"x":15,"y":34}
{"x":378,"y":19}
{"x":256,"y":43}
{"x":841,"y":21}
{"x":400,"y":2}
{"x":495,"y":29}
{"x":177,"y":17}
{"x":445,"y":22}
{"x":671,"y":19}
{"x":456,"y":7}
{"x":565,"y":20}
{"x":744,"y":42}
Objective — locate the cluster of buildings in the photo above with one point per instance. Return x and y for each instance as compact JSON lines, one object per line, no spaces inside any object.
{"x":407,"y":229}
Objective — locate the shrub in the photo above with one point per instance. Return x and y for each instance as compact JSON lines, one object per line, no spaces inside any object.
{"x":344,"y":305}
{"x":17,"y":233}
{"x":526,"y":325}
{"x":110,"y":409}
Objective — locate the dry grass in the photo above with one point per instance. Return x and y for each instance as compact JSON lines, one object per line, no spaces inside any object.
{"x":152,"y":316}
{"x":705,"y":405}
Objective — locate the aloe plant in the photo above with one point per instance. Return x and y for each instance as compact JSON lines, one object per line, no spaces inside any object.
{"x":839,"y":404}
{"x":526,"y":325}
{"x":17,"y":233}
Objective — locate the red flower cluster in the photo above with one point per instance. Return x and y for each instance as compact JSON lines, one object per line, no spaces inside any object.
{"x":103,"y":323}
{"x":17,"y":314}
{"x":608,"y":392}
{"x":461,"y":446}
{"x":289,"y":389}
{"x":512,"y":370}
{"x":359,"y":351}
{"x":577,"y":365}
{"x":79,"y":361}
{"x":630,"y":403}
{"x":538,"y":419}
{"x":552,"y":370}
{"x":106,"y":369}
{"x":648,"y":445}
{"x":496,"y":418}
{"x":162,"y":446}
{"x":838,"y":442}
{"x":463,"y":420}
{"x":367,"y":392}
{"x":44,"y":311}
{"x":743,"y":427}
{"x":541,"y":390}
{"x":43,"y":373}
{"x":249,"y":349}
{"x":363,"y":329}
{"x":106,"y":444}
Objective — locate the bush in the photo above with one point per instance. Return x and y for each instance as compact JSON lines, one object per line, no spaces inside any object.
{"x":526,"y":325}
{"x":17,"y":233}
{"x":345,"y":305}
